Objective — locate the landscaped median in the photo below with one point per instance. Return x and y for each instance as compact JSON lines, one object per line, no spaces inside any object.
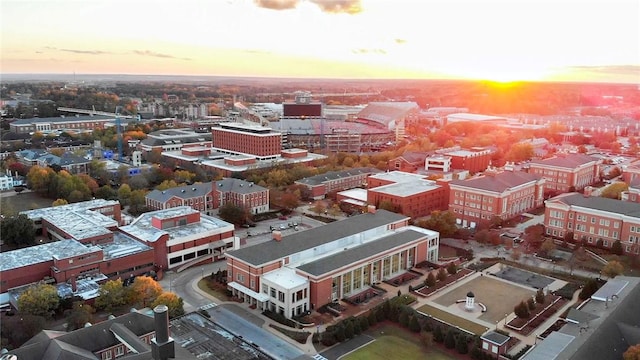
{"x":452,"y":320}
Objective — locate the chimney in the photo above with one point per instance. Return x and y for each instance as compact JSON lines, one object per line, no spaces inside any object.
{"x":371,"y":209}
{"x":277,"y":235}
{"x":588,"y":191}
{"x":162,"y":347}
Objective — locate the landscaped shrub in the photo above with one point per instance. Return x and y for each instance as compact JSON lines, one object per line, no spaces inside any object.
{"x":442,"y":274}
{"x":452,"y":268}
{"x":540,"y":296}
{"x":450,"y":339}
{"x":349,"y":332}
{"x":279,"y":318}
{"x":531,"y":304}
{"x":438,"y":334}
{"x":414,"y":324}
{"x":364,"y":323}
{"x":462,"y":344}
{"x":404,"y":319}
{"x":430,"y":280}
{"x":589,"y":289}
{"x":299,"y":336}
{"x":522,"y":310}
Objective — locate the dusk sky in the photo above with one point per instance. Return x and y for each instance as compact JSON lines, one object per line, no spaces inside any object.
{"x":572,"y":40}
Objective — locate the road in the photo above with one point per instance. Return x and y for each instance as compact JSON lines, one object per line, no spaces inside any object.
{"x":182,"y":284}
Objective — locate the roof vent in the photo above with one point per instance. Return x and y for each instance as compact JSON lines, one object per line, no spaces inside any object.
{"x":194,"y":189}
{"x":241,"y":185}
{"x":164,"y":192}
{"x":182,"y":190}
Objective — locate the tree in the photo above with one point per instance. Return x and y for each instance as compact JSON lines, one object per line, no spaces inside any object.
{"x":137,"y":202}
{"x":172,"y":301}
{"x":441,"y":221}
{"x":318,"y":207}
{"x":482,"y":236}
{"x":540,"y":299}
{"x":124,"y":193}
{"x":520,"y":152}
{"x":233,"y":213}
{"x":450,"y":339}
{"x":632,"y":353}
{"x":16,"y":330}
{"x":614,"y":190}
{"x":414,"y":324}
{"x":18,"y":231}
{"x":462,"y":345}
{"x":430,"y":280}
{"x":39,"y":178}
{"x":522,"y":310}
{"x":80,"y":314}
{"x":106,"y":192}
{"x":438,"y":334}
{"x":59,"y":202}
{"x":452,"y":268}
{"x":442,"y":274}
{"x":547,"y":247}
{"x":589,"y":288}
{"x":616,"y":247}
{"x":111,"y":295}
{"x":516,"y":254}
{"x":427,"y":338}
{"x":612,"y":269}
{"x":40,"y":300}
{"x":531,"y":304}
{"x":145,"y":290}
{"x":534,"y":234}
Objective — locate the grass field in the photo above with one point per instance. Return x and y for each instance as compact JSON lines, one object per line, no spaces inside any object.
{"x":12,"y":205}
{"x":453,"y":319}
{"x":498,"y":296}
{"x":392,"y":347}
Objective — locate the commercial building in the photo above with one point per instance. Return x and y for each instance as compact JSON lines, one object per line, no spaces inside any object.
{"x":495,"y":194}
{"x":594,"y":220}
{"x":306,"y":270}
{"x":410,"y":194}
{"x":174,"y":140}
{"x":567,"y":172}
{"x":334,"y":181}
{"x":182,"y":236}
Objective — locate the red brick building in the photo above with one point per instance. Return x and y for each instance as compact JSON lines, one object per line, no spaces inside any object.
{"x":236,"y":138}
{"x":409,"y":162}
{"x":182,"y":236}
{"x":567,"y":172}
{"x":495,"y":194}
{"x":410,"y":194}
{"x":473,"y":160}
{"x":594,"y":220}
{"x":306,"y":270}
{"x":334,"y":181}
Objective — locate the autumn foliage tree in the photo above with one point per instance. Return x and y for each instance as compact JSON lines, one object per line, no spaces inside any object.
{"x":111,"y":295}
{"x":145,"y":290}
{"x":632,"y":353}
{"x":40,"y":300}
{"x":612,"y":269}
{"x":172,"y":301}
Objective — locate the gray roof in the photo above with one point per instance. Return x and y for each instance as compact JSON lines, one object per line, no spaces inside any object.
{"x":551,"y":347}
{"x":297,"y":242}
{"x":385,"y":112}
{"x":333,"y":175}
{"x":352,"y":255}
{"x":183,"y":192}
{"x":64,"y":160}
{"x":238,"y":186}
{"x":62,"y":119}
{"x":570,"y":161}
{"x":599,"y":203}
{"x":414,"y":156}
{"x":580,"y":317}
{"x":499,"y":182}
{"x":495,"y":337}
{"x":31,"y":154}
{"x":80,"y":343}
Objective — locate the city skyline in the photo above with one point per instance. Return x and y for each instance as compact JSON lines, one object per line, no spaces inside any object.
{"x":563,"y":40}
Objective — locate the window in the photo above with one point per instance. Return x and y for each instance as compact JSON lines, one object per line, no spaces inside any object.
{"x":593,"y":220}
{"x":240,"y":277}
{"x":119,"y":351}
{"x":106,"y":355}
{"x":281,"y":296}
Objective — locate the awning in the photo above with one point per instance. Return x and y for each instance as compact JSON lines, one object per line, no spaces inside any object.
{"x":245,"y":290}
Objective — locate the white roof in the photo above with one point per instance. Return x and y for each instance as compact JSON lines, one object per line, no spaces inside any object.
{"x":285,"y":278}
{"x":550,"y":348}
{"x":245,"y":290}
{"x":611,"y":288}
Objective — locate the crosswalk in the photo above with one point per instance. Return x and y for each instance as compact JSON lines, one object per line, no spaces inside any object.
{"x":319,"y":357}
{"x":208,"y":306}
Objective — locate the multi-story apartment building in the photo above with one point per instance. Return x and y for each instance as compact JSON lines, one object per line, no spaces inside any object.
{"x":567,"y":172}
{"x":306,"y":270}
{"x":334,"y":181}
{"x":206,"y":197}
{"x":410,"y":194}
{"x":495,"y":194}
{"x":594,"y":220}
{"x":255,"y":140}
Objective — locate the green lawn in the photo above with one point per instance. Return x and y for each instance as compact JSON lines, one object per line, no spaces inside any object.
{"x":216,"y":293}
{"x":25,"y":201}
{"x":382,"y":347}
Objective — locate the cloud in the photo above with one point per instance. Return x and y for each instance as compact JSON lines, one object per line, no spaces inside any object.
{"x":609,"y":69}
{"x":400,"y":41}
{"x":339,"y":6}
{"x":369,"y":51}
{"x":76,"y":51}
{"x":158,"y":55}
{"x":328,"y":6}
{"x":277,"y":4}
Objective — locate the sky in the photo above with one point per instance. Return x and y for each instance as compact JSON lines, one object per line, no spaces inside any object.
{"x":501,"y":40}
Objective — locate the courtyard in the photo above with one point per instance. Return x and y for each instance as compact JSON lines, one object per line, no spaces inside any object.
{"x":498,"y":296}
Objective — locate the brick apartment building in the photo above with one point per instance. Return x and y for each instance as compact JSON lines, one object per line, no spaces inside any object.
{"x":594,"y":220}
{"x":567,"y":172}
{"x":206,"y":197}
{"x":306,"y":270}
{"x":334,"y":181}
{"x":410,"y":194}
{"x":236,"y":138}
{"x":495,"y":194}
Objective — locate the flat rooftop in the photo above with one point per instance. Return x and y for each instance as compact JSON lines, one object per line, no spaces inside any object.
{"x":405,"y":189}
{"x":286,"y":278}
{"x":142,"y":228}
{"x":398,"y":176}
{"x":122,"y":245}
{"x":42,"y":253}
{"x":80,"y":224}
{"x":84,"y":205}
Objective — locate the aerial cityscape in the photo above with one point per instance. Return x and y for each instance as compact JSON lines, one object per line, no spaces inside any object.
{"x":319,"y":179}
